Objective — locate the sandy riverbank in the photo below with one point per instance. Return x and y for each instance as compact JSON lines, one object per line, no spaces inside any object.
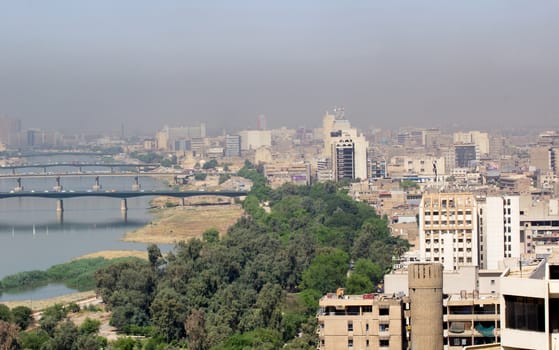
{"x":179,"y":223}
{"x":114,"y":254}
{"x":43,"y":303}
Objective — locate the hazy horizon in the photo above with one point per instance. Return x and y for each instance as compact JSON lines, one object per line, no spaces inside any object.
{"x":95,"y":65}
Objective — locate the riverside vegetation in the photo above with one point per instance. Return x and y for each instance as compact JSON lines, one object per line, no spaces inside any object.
{"x":258,"y":286}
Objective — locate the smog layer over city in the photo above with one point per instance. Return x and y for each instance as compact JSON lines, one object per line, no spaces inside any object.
{"x":212,"y":175}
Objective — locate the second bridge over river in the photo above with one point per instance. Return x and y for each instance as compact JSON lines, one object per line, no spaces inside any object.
{"x":59,"y":196}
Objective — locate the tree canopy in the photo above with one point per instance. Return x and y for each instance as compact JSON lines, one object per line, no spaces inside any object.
{"x":230,"y":291}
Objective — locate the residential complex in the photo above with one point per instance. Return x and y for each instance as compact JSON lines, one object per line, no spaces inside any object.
{"x":368,"y":321}
{"x":448,"y":229}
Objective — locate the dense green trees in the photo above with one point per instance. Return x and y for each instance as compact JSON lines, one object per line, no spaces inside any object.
{"x":22,"y":316}
{"x":230,"y":292}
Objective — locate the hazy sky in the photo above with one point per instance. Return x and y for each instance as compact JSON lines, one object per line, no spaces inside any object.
{"x":92,"y":65}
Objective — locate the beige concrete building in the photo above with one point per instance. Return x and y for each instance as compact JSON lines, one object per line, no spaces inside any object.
{"x":448,"y":229}
{"x":421,"y":165}
{"x":480,"y":139}
{"x":254,"y":139}
{"x":515,"y":183}
{"x":279,"y":173}
{"x":471,"y":319}
{"x":530,"y":306}
{"x":368,"y":321}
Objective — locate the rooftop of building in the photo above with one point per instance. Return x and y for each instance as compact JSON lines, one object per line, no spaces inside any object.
{"x":340,"y":298}
{"x":466,"y":298}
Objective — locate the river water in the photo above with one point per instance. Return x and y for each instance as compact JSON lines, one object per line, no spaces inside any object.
{"x":34,"y":236}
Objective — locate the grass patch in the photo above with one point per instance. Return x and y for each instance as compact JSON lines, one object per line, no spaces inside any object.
{"x":76,"y":274}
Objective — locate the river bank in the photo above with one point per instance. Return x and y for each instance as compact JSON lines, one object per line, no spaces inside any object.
{"x":181,"y":223}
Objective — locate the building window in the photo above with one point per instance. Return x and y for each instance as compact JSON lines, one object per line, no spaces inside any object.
{"x":367,"y":343}
{"x":384,"y":311}
{"x":384,"y":342}
{"x":350,"y":326}
{"x":366,"y":327}
{"x":350,"y":343}
{"x":525,"y":313}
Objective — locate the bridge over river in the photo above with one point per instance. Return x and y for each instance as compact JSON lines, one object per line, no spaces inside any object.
{"x":122,"y":195}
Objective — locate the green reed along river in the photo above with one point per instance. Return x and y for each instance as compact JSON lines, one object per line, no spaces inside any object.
{"x":34,"y":237}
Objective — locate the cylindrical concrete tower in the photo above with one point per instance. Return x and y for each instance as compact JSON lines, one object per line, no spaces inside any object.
{"x":425,"y":282}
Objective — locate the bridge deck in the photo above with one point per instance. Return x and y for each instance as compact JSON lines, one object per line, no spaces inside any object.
{"x":120,"y":194}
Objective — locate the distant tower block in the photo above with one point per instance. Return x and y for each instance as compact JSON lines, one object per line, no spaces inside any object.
{"x":425,"y":282}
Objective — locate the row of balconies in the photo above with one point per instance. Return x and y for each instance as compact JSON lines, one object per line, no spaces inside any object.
{"x":469,"y":333}
{"x":471,"y":317}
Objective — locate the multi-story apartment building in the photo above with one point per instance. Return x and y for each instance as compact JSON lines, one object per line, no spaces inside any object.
{"x":378,"y":169}
{"x":345,"y":147}
{"x":254,"y":139}
{"x":343,"y":158}
{"x":9,"y":130}
{"x":422,"y":317}
{"x":480,"y":139}
{"x":279,"y":173}
{"x":448,"y":230}
{"x":168,"y":137}
{"x":368,"y":321}
{"x":232,"y":146}
{"x":465,"y":155}
{"x":324,"y":170}
{"x":499,"y":230}
{"x":539,"y":224}
{"x":421,"y":165}
{"x":470,"y":319}
{"x":514,"y":183}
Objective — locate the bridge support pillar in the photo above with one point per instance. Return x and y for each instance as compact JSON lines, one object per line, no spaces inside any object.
{"x":232,"y":200}
{"x":183,"y":201}
{"x":59,"y":206}
{"x":123,"y":205}
{"x":60,"y":217}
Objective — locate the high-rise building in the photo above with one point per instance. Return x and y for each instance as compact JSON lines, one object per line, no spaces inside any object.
{"x":448,"y":230}
{"x":499,"y":230}
{"x":465,"y":155}
{"x":480,"y":139}
{"x":254,"y":139}
{"x":9,"y":129}
{"x":343,"y":159}
{"x":232,"y":146}
{"x":166,"y":138}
